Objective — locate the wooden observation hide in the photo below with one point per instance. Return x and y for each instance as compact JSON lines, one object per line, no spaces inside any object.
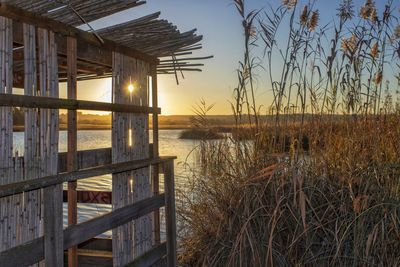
{"x":40,"y":46}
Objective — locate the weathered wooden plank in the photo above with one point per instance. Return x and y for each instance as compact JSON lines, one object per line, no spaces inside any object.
{"x":86,"y":159}
{"x":19,"y":256}
{"x":26,"y":186}
{"x":170,"y":216}
{"x":53,"y":238}
{"x":96,"y":243}
{"x":9,"y":100}
{"x":155,"y":169}
{"x":72,"y":142}
{"x":79,"y":233}
{"x":33,"y":251}
{"x":150,"y":257}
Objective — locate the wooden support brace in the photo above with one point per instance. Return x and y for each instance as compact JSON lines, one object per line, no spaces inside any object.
{"x":155,"y":173}
{"x":9,"y":100}
{"x":30,"y":185}
{"x":170,"y":216}
{"x":72,"y":143}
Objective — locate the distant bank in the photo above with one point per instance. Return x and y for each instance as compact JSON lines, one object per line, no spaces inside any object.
{"x":103,"y":122}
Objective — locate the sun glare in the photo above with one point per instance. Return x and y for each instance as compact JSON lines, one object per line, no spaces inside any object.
{"x":130,"y":88}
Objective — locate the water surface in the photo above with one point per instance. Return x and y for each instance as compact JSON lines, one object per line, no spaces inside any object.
{"x":169,"y":145}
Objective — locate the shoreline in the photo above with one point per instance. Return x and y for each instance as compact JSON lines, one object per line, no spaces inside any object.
{"x":20,"y":128}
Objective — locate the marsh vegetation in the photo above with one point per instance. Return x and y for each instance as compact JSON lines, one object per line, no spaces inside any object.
{"x":319,"y":184}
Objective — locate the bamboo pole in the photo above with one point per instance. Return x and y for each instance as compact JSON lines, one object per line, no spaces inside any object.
{"x":32,"y":201}
{"x":9,"y":207}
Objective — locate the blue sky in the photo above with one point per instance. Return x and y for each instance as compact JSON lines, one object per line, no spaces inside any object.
{"x":220,"y":25}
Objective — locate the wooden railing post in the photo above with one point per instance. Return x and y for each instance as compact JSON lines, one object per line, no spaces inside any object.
{"x":170,"y":216}
{"x":155,"y":168}
{"x":72,"y":143}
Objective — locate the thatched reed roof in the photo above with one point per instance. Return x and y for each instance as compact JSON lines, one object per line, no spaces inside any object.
{"x":148,"y":34}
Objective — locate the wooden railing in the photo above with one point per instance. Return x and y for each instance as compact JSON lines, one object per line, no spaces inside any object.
{"x":34,"y":251}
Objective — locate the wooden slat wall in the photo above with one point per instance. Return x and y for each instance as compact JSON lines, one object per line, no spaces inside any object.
{"x":30,"y":215}
{"x":8,"y":237}
{"x":52,"y":196}
{"x":132,"y":239}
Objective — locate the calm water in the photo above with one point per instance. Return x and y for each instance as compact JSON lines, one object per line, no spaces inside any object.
{"x":169,"y":145}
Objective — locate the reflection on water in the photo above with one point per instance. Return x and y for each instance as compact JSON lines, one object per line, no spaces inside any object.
{"x":169,"y":145}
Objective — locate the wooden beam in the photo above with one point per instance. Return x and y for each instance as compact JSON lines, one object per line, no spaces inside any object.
{"x":170,"y":216}
{"x":29,"y":185}
{"x":151,"y":257}
{"x":52,"y":224}
{"x":23,"y":255}
{"x":64,"y":30}
{"x":74,"y":235}
{"x":71,"y":104}
{"x":156,"y":171}
{"x":86,"y":158}
{"x":89,"y":158}
{"x":72,"y":143}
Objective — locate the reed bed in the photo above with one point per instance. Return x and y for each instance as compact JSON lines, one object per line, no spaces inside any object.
{"x":319,"y":184}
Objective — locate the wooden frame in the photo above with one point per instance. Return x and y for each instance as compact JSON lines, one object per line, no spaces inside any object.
{"x":9,"y":100}
{"x":55,"y":40}
{"x":72,"y":137}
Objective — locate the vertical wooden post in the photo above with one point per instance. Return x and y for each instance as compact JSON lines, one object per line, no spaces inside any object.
{"x":53,"y":248}
{"x":155,"y":172}
{"x":72,"y":143}
{"x":170,"y":212}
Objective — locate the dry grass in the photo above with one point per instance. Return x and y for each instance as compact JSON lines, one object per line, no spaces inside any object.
{"x":320,"y":184}
{"x":339,"y":204}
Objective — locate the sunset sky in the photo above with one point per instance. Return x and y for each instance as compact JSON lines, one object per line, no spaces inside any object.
{"x":220,"y":25}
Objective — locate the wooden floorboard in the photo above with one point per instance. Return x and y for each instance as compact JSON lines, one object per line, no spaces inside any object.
{"x":92,"y":258}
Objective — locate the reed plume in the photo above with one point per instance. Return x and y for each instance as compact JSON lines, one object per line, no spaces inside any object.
{"x":349,"y":45}
{"x":374,"y":50}
{"x":367,"y":9}
{"x":304,"y":16}
{"x":346,"y":10}
{"x":397,"y":32}
{"x":289,"y":4}
{"x":313,"y":22}
{"x":374,"y":16}
{"x":378,"y":77}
